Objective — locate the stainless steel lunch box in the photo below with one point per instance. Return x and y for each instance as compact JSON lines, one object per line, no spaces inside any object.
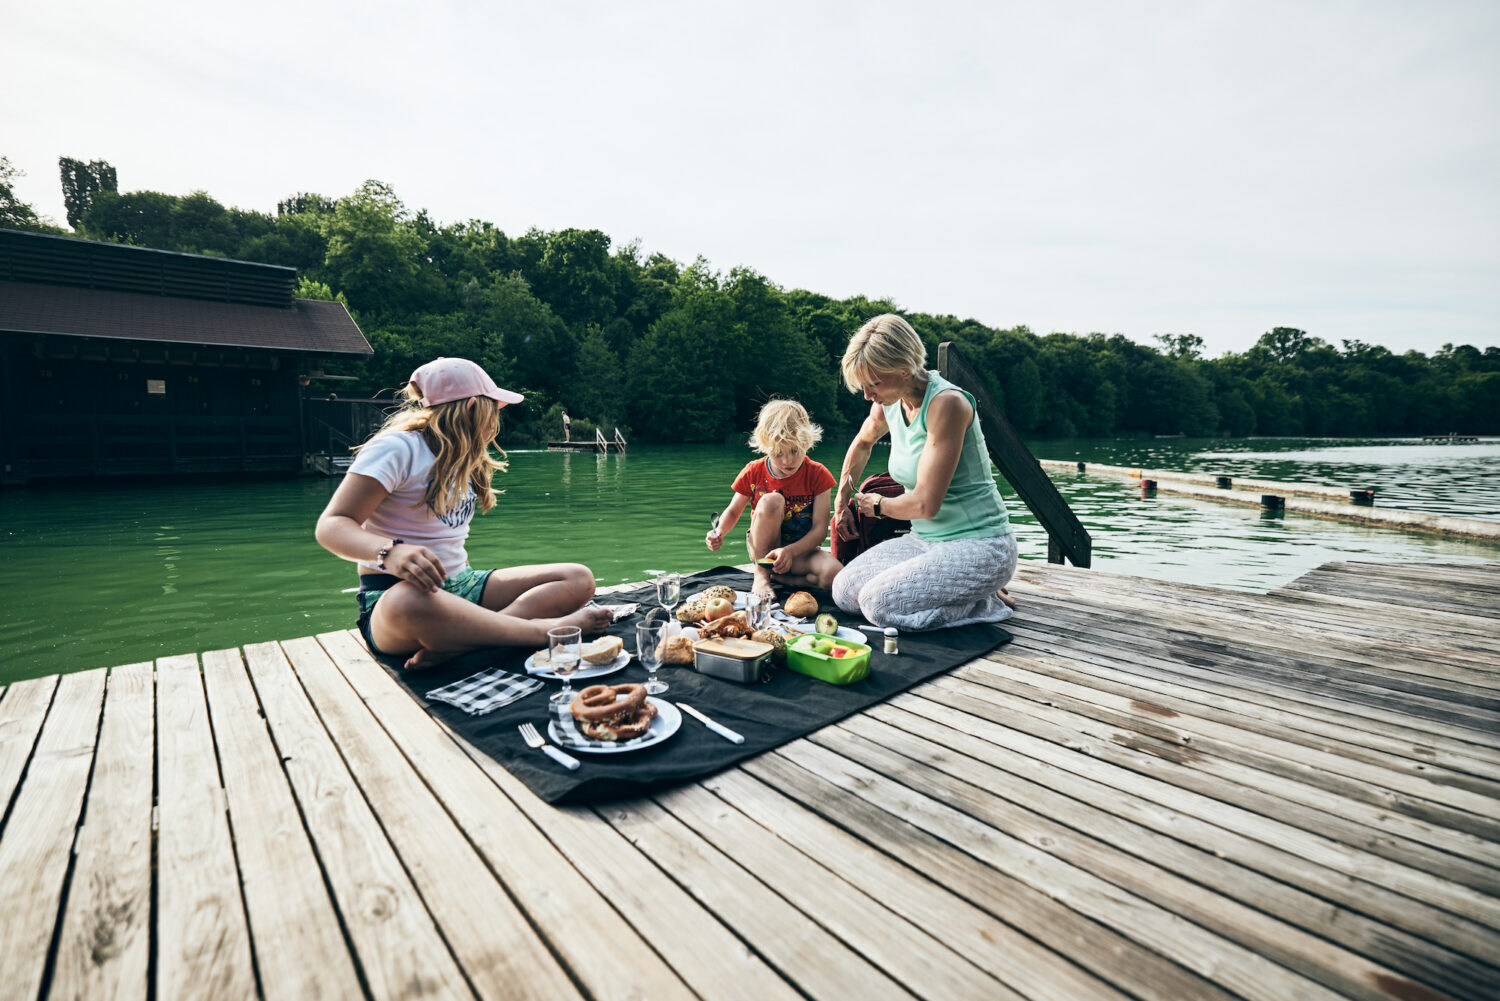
{"x":745,"y":661}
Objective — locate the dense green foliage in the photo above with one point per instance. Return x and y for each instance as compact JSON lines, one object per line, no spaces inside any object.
{"x":685,"y":353}
{"x":14,"y":213}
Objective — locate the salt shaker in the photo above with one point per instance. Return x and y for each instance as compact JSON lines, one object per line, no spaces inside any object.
{"x":890,"y":640}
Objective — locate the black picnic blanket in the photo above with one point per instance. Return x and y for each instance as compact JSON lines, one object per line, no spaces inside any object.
{"x":768,"y":715}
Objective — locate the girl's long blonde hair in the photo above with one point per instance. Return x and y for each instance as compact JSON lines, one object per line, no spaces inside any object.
{"x":460,"y":434}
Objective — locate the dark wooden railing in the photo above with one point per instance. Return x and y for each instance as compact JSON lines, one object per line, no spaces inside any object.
{"x":1066,"y":535}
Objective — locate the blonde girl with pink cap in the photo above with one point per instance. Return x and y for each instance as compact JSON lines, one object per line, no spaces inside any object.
{"x":402,"y":513}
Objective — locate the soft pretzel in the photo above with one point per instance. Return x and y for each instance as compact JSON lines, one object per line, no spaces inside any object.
{"x":599,"y":703}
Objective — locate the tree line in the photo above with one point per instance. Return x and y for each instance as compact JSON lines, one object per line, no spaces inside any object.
{"x":683,"y":352}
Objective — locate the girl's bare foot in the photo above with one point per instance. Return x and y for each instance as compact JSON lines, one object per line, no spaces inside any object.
{"x":589,"y":618}
{"x":427,"y":658}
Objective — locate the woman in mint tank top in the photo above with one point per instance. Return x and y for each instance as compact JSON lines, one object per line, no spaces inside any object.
{"x":953,"y":567}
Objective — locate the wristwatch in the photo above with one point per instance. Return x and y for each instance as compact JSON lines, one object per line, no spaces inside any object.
{"x":877,"y":506}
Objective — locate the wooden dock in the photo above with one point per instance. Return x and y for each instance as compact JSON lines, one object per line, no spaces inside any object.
{"x":1157,"y":792}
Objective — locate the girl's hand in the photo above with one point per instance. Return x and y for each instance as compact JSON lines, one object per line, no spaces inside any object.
{"x":416,"y":565}
{"x":783,"y":560}
{"x":713,"y":540}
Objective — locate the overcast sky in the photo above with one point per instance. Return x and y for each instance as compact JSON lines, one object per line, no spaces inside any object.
{"x":1216,"y":168}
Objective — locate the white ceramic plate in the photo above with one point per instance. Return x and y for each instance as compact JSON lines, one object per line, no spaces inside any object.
{"x":587,"y":671}
{"x":667,"y":722}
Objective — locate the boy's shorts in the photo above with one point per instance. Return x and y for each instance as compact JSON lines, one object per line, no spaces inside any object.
{"x":468,"y":584}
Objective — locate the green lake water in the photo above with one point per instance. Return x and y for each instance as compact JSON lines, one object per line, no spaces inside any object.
{"x":106,"y":573}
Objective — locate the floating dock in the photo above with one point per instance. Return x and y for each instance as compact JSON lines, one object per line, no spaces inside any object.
{"x":599,"y":444}
{"x":1353,"y":505}
{"x":1157,"y":791}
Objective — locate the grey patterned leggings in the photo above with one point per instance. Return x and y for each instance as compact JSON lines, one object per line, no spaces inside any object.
{"x":911,"y":584}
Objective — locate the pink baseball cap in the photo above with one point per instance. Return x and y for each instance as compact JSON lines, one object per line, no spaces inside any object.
{"x":444,"y":380}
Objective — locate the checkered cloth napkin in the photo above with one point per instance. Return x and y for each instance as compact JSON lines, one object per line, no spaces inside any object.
{"x":567,"y":734}
{"x":486,"y":691}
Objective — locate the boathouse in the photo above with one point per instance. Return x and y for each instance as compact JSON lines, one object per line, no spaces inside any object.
{"x":119,"y":360}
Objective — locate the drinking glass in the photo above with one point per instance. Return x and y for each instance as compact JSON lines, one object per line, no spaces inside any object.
{"x":563,"y":646}
{"x":649,"y":637}
{"x":668,"y":594}
{"x":757,"y":610}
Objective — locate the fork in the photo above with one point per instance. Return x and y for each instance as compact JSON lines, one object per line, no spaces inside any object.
{"x":534,"y":739}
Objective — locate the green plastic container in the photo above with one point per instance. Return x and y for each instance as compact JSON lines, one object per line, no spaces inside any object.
{"x":800,"y":657}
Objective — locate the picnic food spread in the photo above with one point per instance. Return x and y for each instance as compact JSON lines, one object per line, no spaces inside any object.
{"x":612,"y":712}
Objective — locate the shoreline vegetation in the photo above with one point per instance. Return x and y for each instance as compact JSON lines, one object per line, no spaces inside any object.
{"x":673,"y":352}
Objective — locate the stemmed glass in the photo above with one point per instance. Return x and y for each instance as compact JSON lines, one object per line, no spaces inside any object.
{"x":564,"y":652}
{"x":668,"y":594}
{"x":649,"y":638}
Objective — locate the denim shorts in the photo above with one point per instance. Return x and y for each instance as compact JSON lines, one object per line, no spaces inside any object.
{"x":468,"y":584}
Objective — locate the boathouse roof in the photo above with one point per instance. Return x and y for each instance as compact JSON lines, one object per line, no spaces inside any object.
{"x":83,"y":288}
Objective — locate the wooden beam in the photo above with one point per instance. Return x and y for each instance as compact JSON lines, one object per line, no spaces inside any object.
{"x":1066,"y":534}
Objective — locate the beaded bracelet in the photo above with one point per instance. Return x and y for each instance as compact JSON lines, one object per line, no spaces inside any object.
{"x":386,"y":551}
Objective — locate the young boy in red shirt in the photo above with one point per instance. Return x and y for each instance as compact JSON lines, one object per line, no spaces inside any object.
{"x":790,"y":500}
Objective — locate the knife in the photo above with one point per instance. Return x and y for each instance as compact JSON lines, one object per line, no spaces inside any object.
{"x":719,"y":728}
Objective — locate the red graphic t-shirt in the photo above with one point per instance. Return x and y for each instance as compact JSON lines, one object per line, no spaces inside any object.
{"x":800,"y":490}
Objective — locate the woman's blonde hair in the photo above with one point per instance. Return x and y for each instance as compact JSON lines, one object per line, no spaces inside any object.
{"x":885,"y":344}
{"x":782,"y":423}
{"x":460,"y":434}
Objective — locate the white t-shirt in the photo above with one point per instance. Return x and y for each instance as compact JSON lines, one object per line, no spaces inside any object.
{"x":401,"y":462}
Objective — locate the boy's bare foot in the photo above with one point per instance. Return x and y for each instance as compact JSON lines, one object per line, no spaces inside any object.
{"x":762,"y":585}
{"x":1004,"y":596}
{"x":428,"y":658}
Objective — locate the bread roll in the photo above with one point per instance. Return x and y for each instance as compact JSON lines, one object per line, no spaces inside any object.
{"x":676,"y":650}
{"x":602,"y":650}
{"x":800,"y":604}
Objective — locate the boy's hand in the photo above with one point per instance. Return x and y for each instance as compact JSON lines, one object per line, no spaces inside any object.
{"x":783,"y":560}
{"x":713,"y":540}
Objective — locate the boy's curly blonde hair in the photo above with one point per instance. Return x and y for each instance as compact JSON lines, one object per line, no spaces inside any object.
{"x":782,"y":423}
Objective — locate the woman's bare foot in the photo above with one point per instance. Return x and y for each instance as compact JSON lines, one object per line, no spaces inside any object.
{"x":428,"y":658}
{"x":1004,"y":596}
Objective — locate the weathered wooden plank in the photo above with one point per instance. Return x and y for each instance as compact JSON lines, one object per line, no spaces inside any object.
{"x":1245,"y":695}
{"x":300,"y":950}
{"x":394,"y":939}
{"x":1299,"y":669}
{"x":820,"y":965}
{"x":1326,"y":804}
{"x":104,"y":947}
{"x":905,"y":951}
{"x":495,"y":946}
{"x":1342,"y":734}
{"x":1098,"y":948}
{"x":1022,"y":962}
{"x":1369,"y":883}
{"x":1234,"y":901}
{"x":1227,"y":963}
{"x":1388,"y":645}
{"x":202,"y":941}
{"x":603,"y":952}
{"x":1187,"y":660}
{"x":1398,"y":593}
{"x":21,"y":714}
{"x":38,"y":837}
{"x":1299,"y":760}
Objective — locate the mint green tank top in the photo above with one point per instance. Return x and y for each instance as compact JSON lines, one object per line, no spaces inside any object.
{"x":972,"y":507}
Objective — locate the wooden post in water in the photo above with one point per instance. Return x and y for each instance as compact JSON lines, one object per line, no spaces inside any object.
{"x":1066,"y":536}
